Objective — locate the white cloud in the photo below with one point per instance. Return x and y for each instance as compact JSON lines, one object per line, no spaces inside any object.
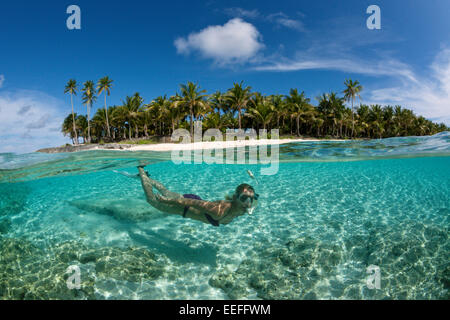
{"x":242,"y":13}
{"x":236,"y":41}
{"x":283,"y":20}
{"x":2,"y":80}
{"x":426,"y":91}
{"x":337,"y":47}
{"x":280,"y":19}
{"x":429,"y":96}
{"x":390,"y":67}
{"x":30,"y":120}
{"x":290,"y":23}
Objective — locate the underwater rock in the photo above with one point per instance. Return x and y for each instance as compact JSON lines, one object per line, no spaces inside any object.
{"x":5,"y":225}
{"x":134,"y":265}
{"x":234,"y":288}
{"x":29,"y":272}
{"x":281,"y":272}
{"x":412,"y":257}
{"x":88,"y":257}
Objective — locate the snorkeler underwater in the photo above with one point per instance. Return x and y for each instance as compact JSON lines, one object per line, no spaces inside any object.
{"x":198,"y":151}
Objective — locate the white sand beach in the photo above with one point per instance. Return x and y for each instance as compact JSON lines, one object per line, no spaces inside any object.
{"x":214,"y":144}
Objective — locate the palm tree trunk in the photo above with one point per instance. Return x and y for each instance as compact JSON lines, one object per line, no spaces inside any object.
{"x":89,"y":124}
{"x":192,"y":121}
{"x":73,"y":122}
{"x":239,"y":114}
{"x":107,"y":121}
{"x":353,"y":121}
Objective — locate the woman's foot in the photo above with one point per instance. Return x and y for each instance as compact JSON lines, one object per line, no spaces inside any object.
{"x":142,"y":164}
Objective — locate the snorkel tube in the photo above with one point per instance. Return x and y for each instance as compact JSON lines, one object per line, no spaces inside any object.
{"x":255,"y":199}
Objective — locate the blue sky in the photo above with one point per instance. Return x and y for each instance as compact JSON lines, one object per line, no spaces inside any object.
{"x":151,"y":47}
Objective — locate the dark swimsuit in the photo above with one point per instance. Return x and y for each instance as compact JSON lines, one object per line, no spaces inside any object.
{"x":215,"y":223}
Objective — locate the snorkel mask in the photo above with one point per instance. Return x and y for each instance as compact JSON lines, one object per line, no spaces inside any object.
{"x":250,"y":202}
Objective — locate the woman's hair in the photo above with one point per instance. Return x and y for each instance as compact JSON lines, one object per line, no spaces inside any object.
{"x":239,"y":190}
{"x":242,"y":187}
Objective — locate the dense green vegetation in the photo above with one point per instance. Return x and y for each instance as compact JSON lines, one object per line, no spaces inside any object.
{"x":239,"y":107}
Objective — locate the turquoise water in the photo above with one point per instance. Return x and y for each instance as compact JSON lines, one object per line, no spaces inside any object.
{"x":332,"y":210}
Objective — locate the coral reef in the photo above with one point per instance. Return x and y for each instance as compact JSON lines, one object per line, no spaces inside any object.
{"x":290,"y":271}
{"x":412,"y":258}
{"x":28,"y":272}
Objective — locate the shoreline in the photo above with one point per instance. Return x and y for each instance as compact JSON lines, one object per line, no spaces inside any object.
{"x":165,"y":147}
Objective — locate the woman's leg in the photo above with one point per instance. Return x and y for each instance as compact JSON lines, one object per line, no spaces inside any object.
{"x":161,"y":188}
{"x":147,"y":186}
{"x":152,"y":199}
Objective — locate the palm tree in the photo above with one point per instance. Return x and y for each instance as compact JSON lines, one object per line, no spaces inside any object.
{"x":338,"y":110}
{"x":238,"y":97}
{"x":351,"y":92}
{"x":279,"y":107}
{"x":262,"y":111}
{"x":175,"y":110}
{"x":161,"y":108}
{"x":104,"y":85}
{"x":218,"y":102}
{"x":324,"y":107}
{"x":297,"y":103}
{"x":67,"y":127}
{"x":163,"y":115}
{"x":128,"y":112}
{"x":99,"y":123}
{"x":89,"y":98}
{"x":388,"y":117}
{"x":193,"y":98}
{"x":376,"y":117}
{"x":363,"y":115}
{"x":82,"y":125}
{"x":71,"y":87}
{"x":137,"y":103}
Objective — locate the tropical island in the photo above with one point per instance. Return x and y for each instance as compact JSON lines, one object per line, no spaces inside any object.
{"x":294,"y":114}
